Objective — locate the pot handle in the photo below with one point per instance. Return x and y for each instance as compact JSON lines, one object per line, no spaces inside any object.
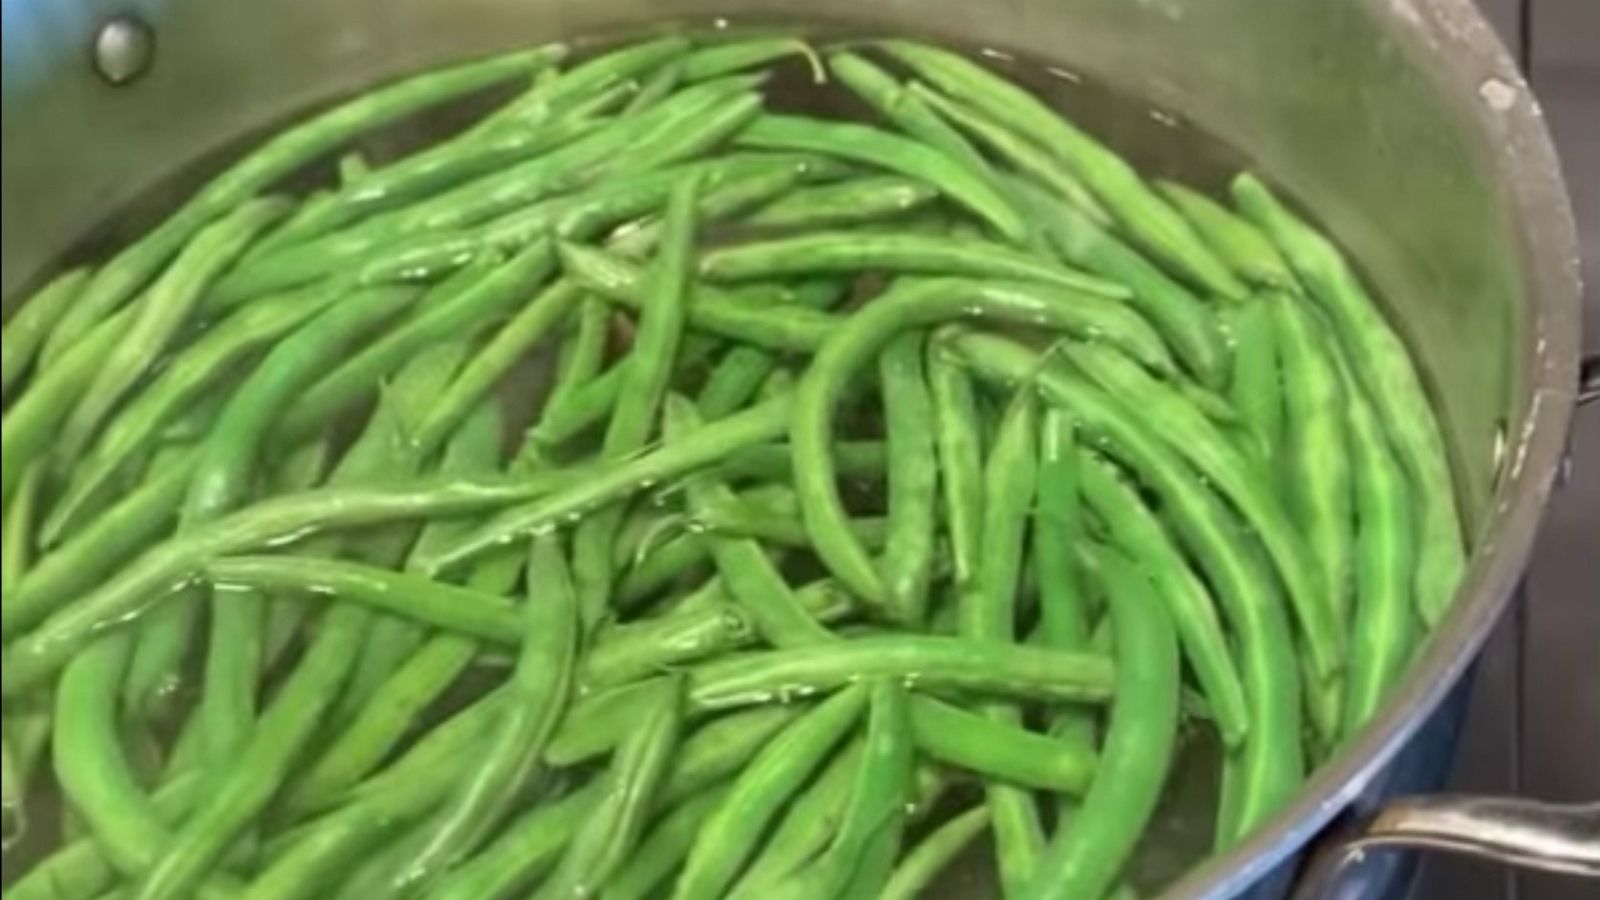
{"x":1514,"y":831}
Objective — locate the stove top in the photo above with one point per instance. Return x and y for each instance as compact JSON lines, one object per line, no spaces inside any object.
{"x":1534,"y":725}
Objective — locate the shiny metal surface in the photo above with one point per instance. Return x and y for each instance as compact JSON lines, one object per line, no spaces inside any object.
{"x":1546,"y":837}
{"x":1402,"y":123}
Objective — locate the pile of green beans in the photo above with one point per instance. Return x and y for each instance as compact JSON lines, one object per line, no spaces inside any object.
{"x":655,"y":491}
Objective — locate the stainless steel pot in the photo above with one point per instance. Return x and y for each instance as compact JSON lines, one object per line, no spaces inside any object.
{"x":1402,"y":123}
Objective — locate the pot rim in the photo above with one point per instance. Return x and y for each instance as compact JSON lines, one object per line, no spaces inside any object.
{"x":1475,"y":72}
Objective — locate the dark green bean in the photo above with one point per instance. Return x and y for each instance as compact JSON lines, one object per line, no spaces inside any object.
{"x":929,"y":859}
{"x":183,"y":381}
{"x":988,"y":613}
{"x":905,"y":110}
{"x":906,"y":306}
{"x":1269,"y":768}
{"x":1023,"y":155}
{"x":1009,"y":671}
{"x":529,"y":848}
{"x":1256,"y":386}
{"x":1243,"y":481}
{"x":590,"y":78}
{"x":907,"y":562}
{"x":1156,"y":227}
{"x":1379,"y":357}
{"x":1236,"y":240}
{"x":775,"y":462}
{"x":605,"y":840}
{"x":537,"y":700}
{"x":27,"y":331}
{"x":664,"y":849}
{"x":853,"y":251}
{"x":747,"y":573}
{"x":871,"y":198}
{"x":620,"y":479}
{"x":1386,"y":627}
{"x":736,"y":56}
{"x":804,"y":832}
{"x":1086,"y":858}
{"x":959,"y":444}
{"x":132,"y":592}
{"x":735,"y":829}
{"x":1136,"y":532}
{"x":1180,"y":316}
{"x":164,"y":309}
{"x":442,"y":317}
{"x":31,"y":423}
{"x":858,"y":862}
{"x":132,"y":268}
{"x":645,"y":381}
{"x":1057,"y":525}
{"x":875,"y":147}
{"x":1000,"y":751}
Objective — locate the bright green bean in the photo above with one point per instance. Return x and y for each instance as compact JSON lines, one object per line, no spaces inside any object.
{"x":1001,"y":751}
{"x":907,"y":562}
{"x":875,"y":147}
{"x":905,"y":110}
{"x":1256,"y":385}
{"x":871,"y":198}
{"x":929,"y":859}
{"x":27,"y":331}
{"x":664,"y":849}
{"x":1086,"y":858}
{"x":1387,"y":372}
{"x":1236,"y":240}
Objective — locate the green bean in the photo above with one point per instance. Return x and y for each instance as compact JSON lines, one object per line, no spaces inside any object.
{"x":591,"y":77}
{"x":1009,"y":671}
{"x":853,"y":251}
{"x":722,"y":747}
{"x":700,"y":132}
{"x":80,"y":870}
{"x":738,"y":376}
{"x":1026,"y":157}
{"x":1000,"y":751}
{"x":1236,"y":240}
{"x":904,"y":109}
{"x":1269,"y":767}
{"x":27,"y":331}
{"x":736,"y":56}
{"x":604,"y":841}
{"x":182,"y":382}
{"x":656,"y":87}
{"x":988,"y":614}
{"x":1137,"y":533}
{"x":734,"y":830}
{"x":664,"y":849}
{"x":1317,"y":469}
{"x":1385,"y":629}
{"x":1057,"y":525}
{"x":132,"y":592}
{"x":31,"y":424}
{"x":443,"y":317}
{"x":1244,"y":483}
{"x":538,"y":698}
{"x":869,"y":198}
{"x":718,"y":312}
{"x":160,"y":313}
{"x":527,"y":849}
{"x":1391,"y":380}
{"x":811,"y":820}
{"x":930,"y":858}
{"x":907,"y":306}
{"x":623,"y":653}
{"x":1155,"y":226}
{"x":1087,"y":856}
{"x":958,"y":442}
{"x":645,"y":382}
{"x":774,"y":462}
{"x":622,"y":478}
{"x":907,"y":562}
{"x":17,"y":544}
{"x":132,"y":268}
{"x":1256,"y":386}
{"x":1180,"y":316}
{"x":872,"y":146}
{"x":859,"y":861}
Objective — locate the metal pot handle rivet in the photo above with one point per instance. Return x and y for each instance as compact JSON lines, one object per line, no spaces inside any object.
{"x":124,"y":49}
{"x":1543,"y":836}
